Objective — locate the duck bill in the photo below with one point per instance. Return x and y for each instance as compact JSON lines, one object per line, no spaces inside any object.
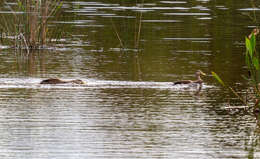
{"x":202,"y":73}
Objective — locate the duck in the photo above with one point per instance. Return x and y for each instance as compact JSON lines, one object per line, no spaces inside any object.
{"x":59,"y":81}
{"x":198,"y":81}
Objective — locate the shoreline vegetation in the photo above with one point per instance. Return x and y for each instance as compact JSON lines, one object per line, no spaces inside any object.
{"x":250,"y":101}
{"x":27,"y":25}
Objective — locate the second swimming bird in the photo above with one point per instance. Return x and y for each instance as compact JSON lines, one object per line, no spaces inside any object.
{"x":198,"y":80}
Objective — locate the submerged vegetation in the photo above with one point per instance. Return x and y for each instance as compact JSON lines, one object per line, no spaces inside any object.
{"x":26,"y":27}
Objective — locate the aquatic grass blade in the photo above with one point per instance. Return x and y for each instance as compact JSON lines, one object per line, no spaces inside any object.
{"x":253,"y":42}
{"x":247,"y":60}
{"x":229,"y":88}
{"x":218,"y":78}
{"x":58,"y":7}
{"x":245,"y":78}
{"x":256,"y":63}
{"x":249,"y":47}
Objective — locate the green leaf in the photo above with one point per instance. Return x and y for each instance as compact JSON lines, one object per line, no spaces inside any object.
{"x":255,"y":62}
{"x":247,"y":60}
{"x":249,"y":47}
{"x":21,"y":6}
{"x":253,"y":42}
{"x":218,"y":78}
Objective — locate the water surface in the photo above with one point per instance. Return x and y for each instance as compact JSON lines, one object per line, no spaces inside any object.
{"x":129,"y":107}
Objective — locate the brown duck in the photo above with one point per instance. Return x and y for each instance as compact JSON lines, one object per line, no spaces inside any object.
{"x":59,"y":81}
{"x":198,"y":81}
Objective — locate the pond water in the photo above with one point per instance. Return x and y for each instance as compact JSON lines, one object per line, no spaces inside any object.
{"x":129,"y":107}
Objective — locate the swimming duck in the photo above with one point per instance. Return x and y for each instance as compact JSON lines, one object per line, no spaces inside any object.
{"x":198,"y":81}
{"x":59,"y":81}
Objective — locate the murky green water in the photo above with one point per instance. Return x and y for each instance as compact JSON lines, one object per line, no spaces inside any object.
{"x":129,"y":107}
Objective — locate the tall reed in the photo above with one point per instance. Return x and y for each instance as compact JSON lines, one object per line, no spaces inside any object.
{"x":137,"y":29}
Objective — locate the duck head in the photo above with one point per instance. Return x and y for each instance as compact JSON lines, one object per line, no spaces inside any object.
{"x":199,"y":73}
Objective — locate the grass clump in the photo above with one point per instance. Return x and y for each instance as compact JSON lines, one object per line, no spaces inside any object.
{"x":27,"y":23}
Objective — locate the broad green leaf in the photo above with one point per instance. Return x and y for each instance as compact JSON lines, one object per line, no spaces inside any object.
{"x":247,"y":60}
{"x":256,"y":63}
{"x":249,"y":47}
{"x":218,"y":78}
{"x":253,"y":42}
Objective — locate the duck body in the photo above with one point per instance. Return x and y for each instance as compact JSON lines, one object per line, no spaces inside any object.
{"x":59,"y":81}
{"x":198,"y":81}
{"x":183,"y":82}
